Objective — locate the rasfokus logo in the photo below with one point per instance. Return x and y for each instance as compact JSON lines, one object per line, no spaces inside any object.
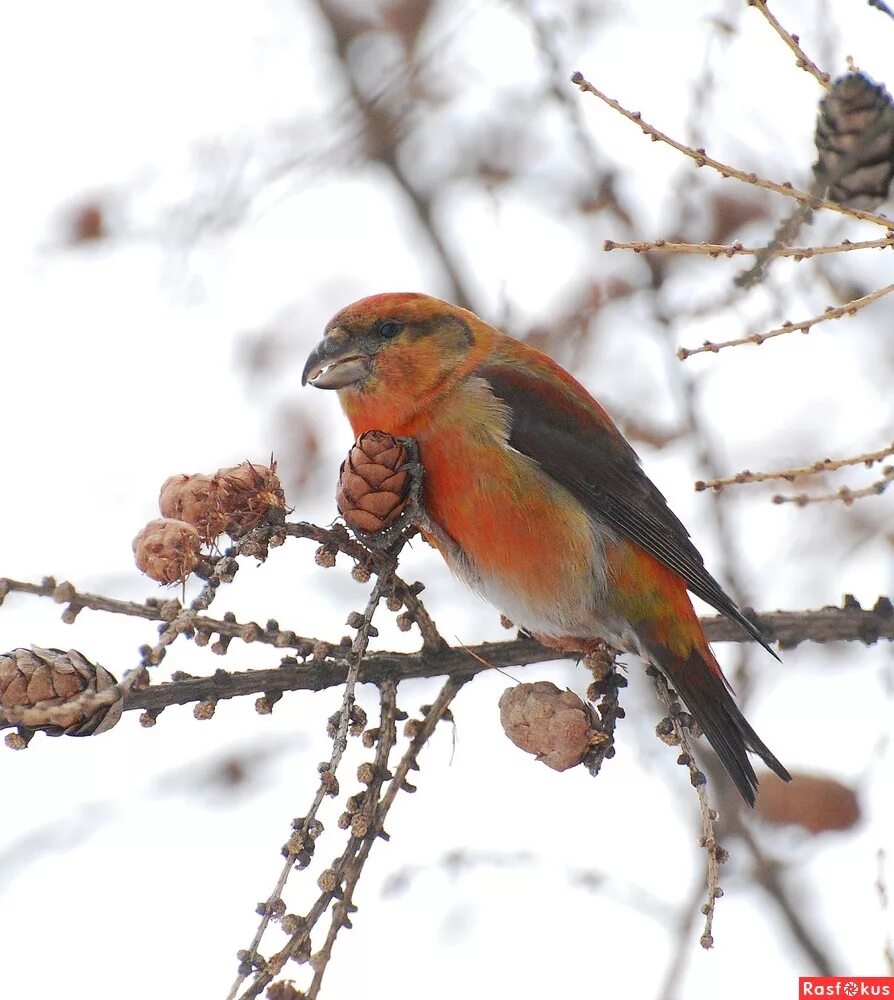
{"x":845,"y":986}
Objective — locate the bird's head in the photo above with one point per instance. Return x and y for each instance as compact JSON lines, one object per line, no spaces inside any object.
{"x":390,"y":354}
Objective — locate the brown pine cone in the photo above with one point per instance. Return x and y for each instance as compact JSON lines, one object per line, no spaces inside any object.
{"x":167,"y":550}
{"x":52,"y":691}
{"x":193,"y":499}
{"x":249,"y":495}
{"x":373,"y":487}
{"x":855,"y":142}
{"x":554,"y":725}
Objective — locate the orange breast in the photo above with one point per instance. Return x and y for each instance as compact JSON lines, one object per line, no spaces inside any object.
{"x":508,"y":529}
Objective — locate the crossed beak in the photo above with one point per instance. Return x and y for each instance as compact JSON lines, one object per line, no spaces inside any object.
{"x":334,"y":364}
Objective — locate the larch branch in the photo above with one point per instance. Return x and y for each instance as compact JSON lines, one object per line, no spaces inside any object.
{"x":805,"y":325}
{"x":702,"y":159}
{"x":738,"y":250}
{"x":794,"y":43}
{"x":849,"y":623}
{"x":844,"y":494}
{"x":823,"y":465}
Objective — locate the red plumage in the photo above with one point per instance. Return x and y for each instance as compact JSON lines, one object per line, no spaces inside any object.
{"x":535,"y":498}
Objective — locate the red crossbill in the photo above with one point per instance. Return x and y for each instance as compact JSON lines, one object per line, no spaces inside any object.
{"x":535,"y":499}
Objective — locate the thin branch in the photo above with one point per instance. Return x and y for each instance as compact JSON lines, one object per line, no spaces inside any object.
{"x":737,"y":249}
{"x":328,"y":774}
{"x":673,"y":975}
{"x":368,"y":818}
{"x":844,"y":494}
{"x":768,"y":876}
{"x":794,"y":43}
{"x":702,"y":159}
{"x":785,"y":233}
{"x":182,"y":620}
{"x":805,"y":326}
{"x":824,"y":465}
{"x":170,"y":611}
{"x":715,"y":855}
{"x":358,"y":849}
{"x":795,"y":900}
{"x":849,"y":623}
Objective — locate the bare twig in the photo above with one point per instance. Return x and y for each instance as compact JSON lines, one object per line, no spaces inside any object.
{"x":794,"y":43}
{"x":702,"y":159}
{"x":824,"y":465}
{"x":354,"y":857}
{"x":201,"y":628}
{"x":368,"y":819}
{"x":849,"y":623}
{"x":328,"y":774}
{"x":675,"y":731}
{"x":805,"y":326}
{"x":737,"y":249}
{"x":685,"y":924}
{"x":769,"y":878}
{"x":844,"y":494}
{"x":786,"y":232}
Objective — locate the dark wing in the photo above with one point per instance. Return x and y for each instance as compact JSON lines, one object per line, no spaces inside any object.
{"x":556,"y":423}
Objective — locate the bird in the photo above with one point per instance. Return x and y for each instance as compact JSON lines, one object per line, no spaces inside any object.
{"x":535,"y":499}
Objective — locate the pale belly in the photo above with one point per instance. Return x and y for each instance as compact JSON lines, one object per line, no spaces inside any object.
{"x":540,"y":560}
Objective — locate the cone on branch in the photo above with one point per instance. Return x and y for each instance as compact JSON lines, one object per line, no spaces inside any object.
{"x":375,"y":482}
{"x":59,"y":693}
{"x":249,"y":495}
{"x":193,"y":499}
{"x":167,"y":550}
{"x":554,"y":725}
{"x":234,"y":500}
{"x":855,"y":142}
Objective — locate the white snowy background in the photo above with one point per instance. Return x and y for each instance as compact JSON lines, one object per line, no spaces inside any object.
{"x":241,"y":215}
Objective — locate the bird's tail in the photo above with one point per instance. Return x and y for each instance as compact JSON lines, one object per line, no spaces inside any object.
{"x":699,"y":681}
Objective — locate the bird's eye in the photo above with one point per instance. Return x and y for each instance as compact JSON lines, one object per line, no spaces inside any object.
{"x":390,"y":328}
